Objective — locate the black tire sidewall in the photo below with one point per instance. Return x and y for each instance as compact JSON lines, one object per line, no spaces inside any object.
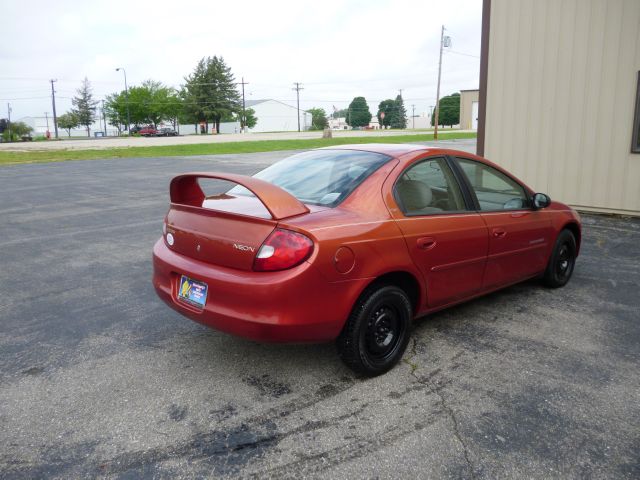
{"x":374,"y":299}
{"x":551,"y":278}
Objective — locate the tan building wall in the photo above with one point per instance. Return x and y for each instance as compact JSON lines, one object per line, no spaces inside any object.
{"x":561,"y":87}
{"x":467,"y":99}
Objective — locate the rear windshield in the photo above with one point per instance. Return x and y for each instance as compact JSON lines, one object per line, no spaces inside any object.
{"x":320,"y":177}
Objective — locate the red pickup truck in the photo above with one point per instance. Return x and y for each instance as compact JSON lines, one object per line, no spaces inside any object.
{"x":148,"y":132}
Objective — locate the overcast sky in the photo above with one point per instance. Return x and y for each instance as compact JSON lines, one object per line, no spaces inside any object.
{"x":337,"y":50}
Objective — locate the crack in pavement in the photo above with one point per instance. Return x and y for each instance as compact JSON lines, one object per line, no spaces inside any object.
{"x":425,"y":380}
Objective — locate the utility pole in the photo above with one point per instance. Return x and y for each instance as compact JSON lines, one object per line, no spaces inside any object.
{"x":297,"y":89}
{"x":53,"y":103}
{"x":104,"y":119}
{"x":243,"y":123}
{"x":126,"y":93}
{"x":9,"y":121}
{"x":413,"y":116}
{"x":46,"y":116}
{"x":435,"y":131}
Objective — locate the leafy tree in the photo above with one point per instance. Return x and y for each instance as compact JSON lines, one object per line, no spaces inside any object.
{"x":449,"y":111}
{"x":250,"y":117}
{"x":318,"y":119}
{"x":399,"y":116}
{"x":15,"y":130}
{"x":210,"y":92}
{"x":68,"y":121}
{"x":85,"y":106}
{"x":172,"y":105}
{"x":143,"y":103}
{"x":395,"y":115}
{"x":115,"y":109}
{"x":150,"y":103}
{"x":387,"y":107}
{"x":342,"y":113}
{"x":358,"y":114}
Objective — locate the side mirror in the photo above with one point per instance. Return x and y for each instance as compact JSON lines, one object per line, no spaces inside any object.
{"x":541,"y":200}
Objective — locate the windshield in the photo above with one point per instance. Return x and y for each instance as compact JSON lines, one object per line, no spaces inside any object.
{"x":320,"y":177}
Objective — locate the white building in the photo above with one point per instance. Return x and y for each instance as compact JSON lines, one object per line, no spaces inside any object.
{"x":275,"y":116}
{"x":40,"y":126}
{"x":419,"y":121}
{"x":339,"y":123}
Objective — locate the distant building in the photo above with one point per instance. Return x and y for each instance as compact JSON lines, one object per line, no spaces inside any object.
{"x":339,"y":123}
{"x":40,"y":126}
{"x":276,"y":116}
{"x":419,"y":121}
{"x":469,"y":103}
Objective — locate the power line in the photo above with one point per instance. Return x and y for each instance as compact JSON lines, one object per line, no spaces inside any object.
{"x":24,"y":98}
{"x":464,"y":54}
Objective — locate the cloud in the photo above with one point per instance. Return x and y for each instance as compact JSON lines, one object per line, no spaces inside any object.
{"x":337,"y":50}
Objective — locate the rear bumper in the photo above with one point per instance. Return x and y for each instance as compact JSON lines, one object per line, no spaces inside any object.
{"x":296,"y":305}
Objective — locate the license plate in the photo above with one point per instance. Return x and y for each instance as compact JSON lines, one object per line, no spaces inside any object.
{"x":192,"y":292}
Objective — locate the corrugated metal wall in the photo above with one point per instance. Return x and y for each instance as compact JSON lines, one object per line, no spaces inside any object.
{"x":561,"y":90}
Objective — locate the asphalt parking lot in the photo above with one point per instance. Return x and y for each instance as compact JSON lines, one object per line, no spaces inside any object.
{"x":98,"y":378}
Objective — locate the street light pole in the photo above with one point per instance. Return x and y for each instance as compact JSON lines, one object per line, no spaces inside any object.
{"x":9,"y":121}
{"x":435,"y":131}
{"x":126,"y":94}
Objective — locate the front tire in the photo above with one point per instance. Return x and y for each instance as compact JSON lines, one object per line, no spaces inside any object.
{"x":562,"y":261}
{"x":377,"y":332}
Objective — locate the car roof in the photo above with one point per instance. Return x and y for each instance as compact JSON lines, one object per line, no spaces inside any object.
{"x":397,"y":149}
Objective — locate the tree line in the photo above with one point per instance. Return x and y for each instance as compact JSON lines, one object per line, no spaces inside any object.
{"x":393,"y":114}
{"x":208,"y":96}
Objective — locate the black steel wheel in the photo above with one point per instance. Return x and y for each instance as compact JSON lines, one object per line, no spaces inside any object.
{"x":376,"y":334}
{"x":562,"y":261}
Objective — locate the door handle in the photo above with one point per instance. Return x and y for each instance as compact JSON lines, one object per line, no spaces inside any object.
{"x":499,"y":232}
{"x":426,"y":243}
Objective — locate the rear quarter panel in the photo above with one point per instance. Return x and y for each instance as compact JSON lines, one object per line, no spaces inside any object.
{"x":362,"y":228}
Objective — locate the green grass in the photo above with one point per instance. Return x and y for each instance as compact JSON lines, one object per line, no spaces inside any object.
{"x":43,"y":156}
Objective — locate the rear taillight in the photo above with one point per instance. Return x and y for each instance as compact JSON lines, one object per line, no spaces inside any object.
{"x":281,"y":250}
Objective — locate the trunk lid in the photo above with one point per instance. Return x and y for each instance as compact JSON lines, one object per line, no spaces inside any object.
{"x":225,"y":230}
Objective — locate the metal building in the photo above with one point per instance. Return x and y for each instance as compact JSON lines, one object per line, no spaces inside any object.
{"x":469,"y":103}
{"x":560,"y":83}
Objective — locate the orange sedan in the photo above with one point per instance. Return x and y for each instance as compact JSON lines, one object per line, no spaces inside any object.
{"x":352,"y":243}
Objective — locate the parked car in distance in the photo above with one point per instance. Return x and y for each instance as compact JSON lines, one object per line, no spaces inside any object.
{"x":166,"y":132}
{"x":351,"y":243}
{"x":148,"y":131}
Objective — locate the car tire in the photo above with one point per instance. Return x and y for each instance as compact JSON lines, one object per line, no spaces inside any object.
{"x":562,"y":261}
{"x":376,"y":334}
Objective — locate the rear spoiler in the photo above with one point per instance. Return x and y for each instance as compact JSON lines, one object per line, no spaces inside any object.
{"x":184,"y":189}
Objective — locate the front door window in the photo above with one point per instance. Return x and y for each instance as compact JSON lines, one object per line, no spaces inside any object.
{"x":494,"y":190}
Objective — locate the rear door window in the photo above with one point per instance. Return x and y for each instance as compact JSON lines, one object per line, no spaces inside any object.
{"x":429,"y":187}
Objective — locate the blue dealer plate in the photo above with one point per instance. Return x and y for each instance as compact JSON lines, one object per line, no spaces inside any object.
{"x":192,"y":292}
